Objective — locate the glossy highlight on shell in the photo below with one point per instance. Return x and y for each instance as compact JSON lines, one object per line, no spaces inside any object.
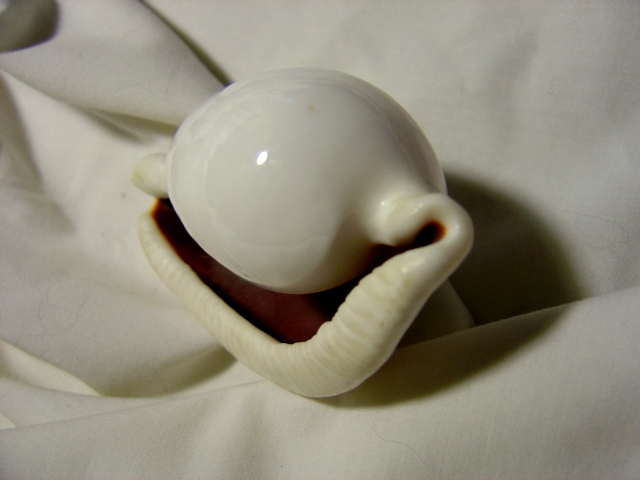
{"x":385,"y":190}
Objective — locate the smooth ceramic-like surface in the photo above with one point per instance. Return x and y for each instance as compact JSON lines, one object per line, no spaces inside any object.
{"x":289,"y":179}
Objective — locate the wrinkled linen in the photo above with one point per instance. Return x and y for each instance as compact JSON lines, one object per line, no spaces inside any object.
{"x":534,"y":111}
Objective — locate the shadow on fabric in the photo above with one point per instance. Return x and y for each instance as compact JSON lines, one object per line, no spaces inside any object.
{"x":214,"y":68}
{"x":24,"y":23}
{"x":428,"y":368}
{"x":175,"y":375}
{"x":516,"y":265}
{"x":516,"y":271}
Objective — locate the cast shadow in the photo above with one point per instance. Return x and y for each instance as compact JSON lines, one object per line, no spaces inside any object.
{"x":175,"y":375}
{"x":214,"y":68}
{"x":516,"y":265}
{"x":24,"y":23}
{"x":515,"y":268}
{"x":425,"y":369}
{"x":126,"y":127}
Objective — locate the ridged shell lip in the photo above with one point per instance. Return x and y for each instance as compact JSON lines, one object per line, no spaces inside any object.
{"x":362,"y":334}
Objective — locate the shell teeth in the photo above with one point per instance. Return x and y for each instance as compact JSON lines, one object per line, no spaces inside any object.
{"x":149,"y":175}
{"x":346,"y":351}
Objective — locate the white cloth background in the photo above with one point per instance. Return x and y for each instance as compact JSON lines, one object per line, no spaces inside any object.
{"x":534,"y":111}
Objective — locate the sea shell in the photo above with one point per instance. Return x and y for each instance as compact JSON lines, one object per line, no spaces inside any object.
{"x":393,"y":207}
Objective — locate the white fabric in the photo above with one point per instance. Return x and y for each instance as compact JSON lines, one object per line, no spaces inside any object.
{"x":534,"y":111}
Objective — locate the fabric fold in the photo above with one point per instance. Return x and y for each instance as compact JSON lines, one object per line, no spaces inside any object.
{"x":533,"y":110}
{"x":115,"y":56}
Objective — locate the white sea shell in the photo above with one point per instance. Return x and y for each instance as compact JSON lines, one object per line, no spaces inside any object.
{"x":388,"y":184}
{"x":287,"y":178}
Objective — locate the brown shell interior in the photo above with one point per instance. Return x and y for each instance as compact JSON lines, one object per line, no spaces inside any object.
{"x":288,"y":318}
